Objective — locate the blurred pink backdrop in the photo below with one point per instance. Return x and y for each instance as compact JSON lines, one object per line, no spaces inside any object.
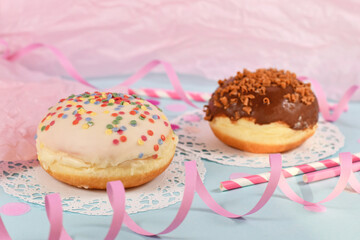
{"x":318,"y":39}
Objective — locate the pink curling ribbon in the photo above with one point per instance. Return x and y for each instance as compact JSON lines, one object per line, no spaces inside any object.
{"x":170,"y":73}
{"x":55,"y":216}
{"x":116,"y":193}
{"x":193,"y":184}
{"x":4,"y":235}
{"x":346,"y":169}
{"x":179,"y":93}
{"x":66,"y":64}
{"x":324,"y":105}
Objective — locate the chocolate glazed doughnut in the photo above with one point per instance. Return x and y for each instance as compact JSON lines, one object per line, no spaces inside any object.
{"x":265,"y":111}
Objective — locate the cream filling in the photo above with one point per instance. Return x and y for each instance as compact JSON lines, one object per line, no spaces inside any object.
{"x":246,"y":130}
{"x":48,"y":157}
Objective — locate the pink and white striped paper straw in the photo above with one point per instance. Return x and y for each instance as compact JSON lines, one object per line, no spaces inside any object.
{"x":288,"y":172}
{"x":163,"y":93}
{"x":327,"y":173}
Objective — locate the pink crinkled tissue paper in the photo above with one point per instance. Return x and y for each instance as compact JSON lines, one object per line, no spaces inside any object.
{"x":215,"y":39}
{"x":25,"y":97}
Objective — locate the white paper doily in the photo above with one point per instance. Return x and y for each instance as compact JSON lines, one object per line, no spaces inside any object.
{"x":195,"y":136}
{"x":29,"y":182}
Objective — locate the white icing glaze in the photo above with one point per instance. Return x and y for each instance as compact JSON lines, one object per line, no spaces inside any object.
{"x":95,"y":144}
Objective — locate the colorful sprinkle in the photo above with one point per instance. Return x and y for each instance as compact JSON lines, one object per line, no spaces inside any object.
{"x":123,"y":138}
{"x":133,"y":123}
{"x":156,"y":147}
{"x":81,"y":111}
{"x":173,"y":126}
{"x":140,"y":142}
{"x":78,"y":104}
{"x":153,"y":101}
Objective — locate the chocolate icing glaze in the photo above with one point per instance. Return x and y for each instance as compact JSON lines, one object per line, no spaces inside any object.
{"x":297,"y":115}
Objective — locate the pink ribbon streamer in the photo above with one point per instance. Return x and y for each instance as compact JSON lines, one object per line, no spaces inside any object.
{"x":116,"y":193}
{"x":3,"y":232}
{"x":325,"y":108}
{"x":346,"y":169}
{"x":55,"y":216}
{"x":174,"y":80}
{"x":193,"y":183}
{"x":66,"y":64}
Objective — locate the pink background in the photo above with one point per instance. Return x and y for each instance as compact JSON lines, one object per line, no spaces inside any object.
{"x":319,"y":39}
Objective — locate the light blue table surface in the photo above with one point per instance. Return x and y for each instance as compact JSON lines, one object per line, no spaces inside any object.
{"x":279,"y":219}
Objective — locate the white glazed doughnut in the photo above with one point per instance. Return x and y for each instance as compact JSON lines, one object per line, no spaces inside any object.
{"x":89,"y":139}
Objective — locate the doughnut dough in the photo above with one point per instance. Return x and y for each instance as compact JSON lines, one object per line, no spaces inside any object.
{"x":89,"y":139}
{"x":266,"y":111}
